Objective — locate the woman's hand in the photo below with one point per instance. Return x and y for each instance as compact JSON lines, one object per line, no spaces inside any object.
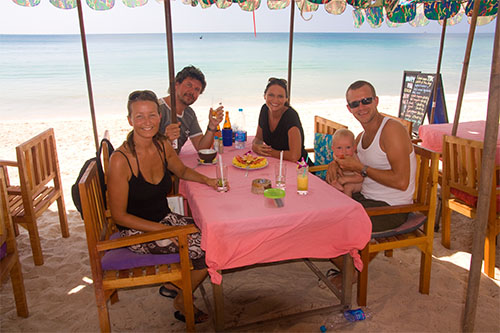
{"x":212,"y":182}
{"x":262,"y":149}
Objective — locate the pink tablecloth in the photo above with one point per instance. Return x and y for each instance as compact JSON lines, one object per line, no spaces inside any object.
{"x":237,"y":230}
{"x":432,"y":135}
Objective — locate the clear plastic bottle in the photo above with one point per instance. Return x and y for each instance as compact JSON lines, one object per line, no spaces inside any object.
{"x":340,"y":321}
{"x":241,"y":134}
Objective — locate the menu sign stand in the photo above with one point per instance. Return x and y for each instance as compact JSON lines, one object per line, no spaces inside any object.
{"x":416,"y":99}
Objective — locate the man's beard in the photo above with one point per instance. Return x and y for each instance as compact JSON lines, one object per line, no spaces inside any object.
{"x":187,"y":100}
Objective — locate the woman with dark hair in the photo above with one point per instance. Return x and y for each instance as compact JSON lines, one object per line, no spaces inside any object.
{"x":279,"y":125}
{"x":139,"y":179}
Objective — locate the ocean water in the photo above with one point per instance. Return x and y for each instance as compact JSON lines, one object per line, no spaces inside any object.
{"x":43,"y":75}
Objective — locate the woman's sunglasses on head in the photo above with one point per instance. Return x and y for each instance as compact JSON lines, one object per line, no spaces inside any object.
{"x":364,"y":101}
{"x":142,"y":95}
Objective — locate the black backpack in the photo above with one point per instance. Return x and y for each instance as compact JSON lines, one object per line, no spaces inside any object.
{"x":75,"y":191}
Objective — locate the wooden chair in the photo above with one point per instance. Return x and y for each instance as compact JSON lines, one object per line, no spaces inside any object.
{"x":460,"y":188}
{"x":114,"y":266}
{"x":40,"y":186}
{"x":9,"y":264}
{"x":417,"y":231}
{"x":323,"y":126}
{"x":406,"y":123}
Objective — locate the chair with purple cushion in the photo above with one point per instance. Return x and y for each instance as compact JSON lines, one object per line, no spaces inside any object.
{"x":418,"y":230}
{"x":9,"y":258}
{"x":114,"y":266}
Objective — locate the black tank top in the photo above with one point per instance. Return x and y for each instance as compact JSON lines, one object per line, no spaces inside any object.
{"x":146,"y":200}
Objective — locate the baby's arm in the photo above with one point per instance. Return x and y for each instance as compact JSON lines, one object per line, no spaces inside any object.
{"x":354,"y":177}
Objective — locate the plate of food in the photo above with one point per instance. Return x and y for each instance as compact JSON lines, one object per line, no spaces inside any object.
{"x":248,"y":161}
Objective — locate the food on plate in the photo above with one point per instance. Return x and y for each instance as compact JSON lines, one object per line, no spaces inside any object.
{"x":250,"y":161}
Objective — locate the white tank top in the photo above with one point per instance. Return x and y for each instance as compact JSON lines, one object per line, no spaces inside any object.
{"x":376,"y":158}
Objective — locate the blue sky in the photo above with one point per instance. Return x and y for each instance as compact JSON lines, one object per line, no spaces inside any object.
{"x":46,"y":19}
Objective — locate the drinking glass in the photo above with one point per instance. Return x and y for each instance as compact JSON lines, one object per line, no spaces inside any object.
{"x":302,"y":180}
{"x":221,"y":178}
{"x":280,"y":180}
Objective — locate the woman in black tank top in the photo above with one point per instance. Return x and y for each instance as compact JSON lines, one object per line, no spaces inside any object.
{"x":139,"y":179}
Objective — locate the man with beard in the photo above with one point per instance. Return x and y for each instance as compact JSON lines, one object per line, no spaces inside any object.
{"x":189,"y":84}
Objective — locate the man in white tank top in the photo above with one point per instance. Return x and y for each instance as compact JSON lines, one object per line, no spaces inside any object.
{"x":386,"y":158}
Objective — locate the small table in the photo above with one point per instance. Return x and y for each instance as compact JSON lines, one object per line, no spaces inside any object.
{"x":432,"y":134}
{"x":238,"y":231}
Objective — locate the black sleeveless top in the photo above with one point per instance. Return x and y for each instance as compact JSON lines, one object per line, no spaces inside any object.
{"x":146,"y":200}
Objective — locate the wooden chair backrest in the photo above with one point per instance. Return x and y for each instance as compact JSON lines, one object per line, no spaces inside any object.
{"x":38,"y":165}
{"x":462,"y":164}
{"x":426,"y":177}
{"x":97,"y":222}
{"x":5,"y":219}
{"x":406,"y":123}
{"x":326,"y":126}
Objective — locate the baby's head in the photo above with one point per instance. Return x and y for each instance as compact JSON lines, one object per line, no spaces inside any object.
{"x":343,"y":143}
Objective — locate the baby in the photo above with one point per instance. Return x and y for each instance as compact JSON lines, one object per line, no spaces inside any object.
{"x":348,"y":182}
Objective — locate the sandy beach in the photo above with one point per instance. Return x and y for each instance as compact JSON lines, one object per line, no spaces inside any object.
{"x":61,"y":298}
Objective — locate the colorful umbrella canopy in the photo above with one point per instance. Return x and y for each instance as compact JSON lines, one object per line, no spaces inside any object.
{"x":393,"y":12}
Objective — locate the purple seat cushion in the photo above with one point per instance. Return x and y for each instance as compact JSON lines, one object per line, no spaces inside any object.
{"x":123,"y":258}
{"x":413,"y":222}
{"x":3,"y":250}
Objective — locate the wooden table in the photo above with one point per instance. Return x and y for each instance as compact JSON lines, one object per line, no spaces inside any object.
{"x":432,"y":134}
{"x":238,"y":230}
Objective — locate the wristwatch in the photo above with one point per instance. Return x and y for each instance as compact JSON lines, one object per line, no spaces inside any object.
{"x":211,"y":130}
{"x":363,"y":171}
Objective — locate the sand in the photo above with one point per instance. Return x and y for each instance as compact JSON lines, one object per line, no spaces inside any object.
{"x":61,"y":298}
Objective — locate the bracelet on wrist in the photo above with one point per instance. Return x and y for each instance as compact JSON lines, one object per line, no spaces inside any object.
{"x":211,"y":130}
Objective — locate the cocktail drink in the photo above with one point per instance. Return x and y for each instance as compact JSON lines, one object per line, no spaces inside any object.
{"x":302,"y":180}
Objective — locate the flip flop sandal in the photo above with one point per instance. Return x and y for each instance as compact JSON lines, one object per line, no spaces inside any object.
{"x":329,"y":274}
{"x":198,"y":317}
{"x":170,"y":293}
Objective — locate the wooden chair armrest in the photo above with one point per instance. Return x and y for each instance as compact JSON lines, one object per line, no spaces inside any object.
{"x":387,"y":210}
{"x":310,"y":150}
{"x":318,"y":168}
{"x":174,"y":231}
{"x":8,"y":163}
{"x":416,"y":141}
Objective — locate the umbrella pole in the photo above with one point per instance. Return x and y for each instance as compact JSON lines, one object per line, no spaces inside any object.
{"x":465,"y":67}
{"x":171,"y":69}
{"x":87,"y":72}
{"x":488,"y":167}
{"x":438,"y":71}
{"x":290,"y":49}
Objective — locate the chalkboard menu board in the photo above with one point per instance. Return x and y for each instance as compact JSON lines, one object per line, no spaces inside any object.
{"x":407,"y":87}
{"x":416,"y":98}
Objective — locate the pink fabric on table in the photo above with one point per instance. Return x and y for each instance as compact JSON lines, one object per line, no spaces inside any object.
{"x":432,"y":135}
{"x":237,"y":230}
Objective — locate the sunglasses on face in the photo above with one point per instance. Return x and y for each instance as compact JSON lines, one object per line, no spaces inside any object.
{"x":142,"y":95}
{"x":364,"y":101}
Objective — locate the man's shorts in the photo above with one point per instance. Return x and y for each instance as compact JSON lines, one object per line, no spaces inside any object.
{"x":381,"y":222}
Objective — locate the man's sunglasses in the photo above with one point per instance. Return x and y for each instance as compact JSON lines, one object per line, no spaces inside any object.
{"x":364,"y":101}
